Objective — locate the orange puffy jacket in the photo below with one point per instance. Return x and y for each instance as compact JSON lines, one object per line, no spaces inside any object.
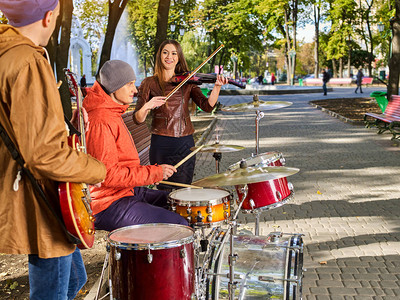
{"x":109,"y":140}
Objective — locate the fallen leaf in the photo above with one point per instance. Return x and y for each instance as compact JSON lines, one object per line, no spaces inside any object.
{"x":323,"y":263}
{"x":319,"y":193}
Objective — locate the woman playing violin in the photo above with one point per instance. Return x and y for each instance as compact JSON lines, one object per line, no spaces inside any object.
{"x":171,"y":128}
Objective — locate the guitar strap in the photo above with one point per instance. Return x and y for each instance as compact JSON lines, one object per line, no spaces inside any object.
{"x":37,"y":188}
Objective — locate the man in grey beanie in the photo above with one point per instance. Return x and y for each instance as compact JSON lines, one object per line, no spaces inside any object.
{"x":32,"y":116}
{"x":122,"y":200}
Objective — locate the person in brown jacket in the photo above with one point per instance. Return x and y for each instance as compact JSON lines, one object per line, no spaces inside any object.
{"x":171,"y":128}
{"x":32,"y":115}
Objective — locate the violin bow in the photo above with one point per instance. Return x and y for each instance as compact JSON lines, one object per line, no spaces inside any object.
{"x":193,"y":73}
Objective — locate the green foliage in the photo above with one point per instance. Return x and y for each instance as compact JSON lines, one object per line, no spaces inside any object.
{"x":360,"y":58}
{"x":143,"y":19}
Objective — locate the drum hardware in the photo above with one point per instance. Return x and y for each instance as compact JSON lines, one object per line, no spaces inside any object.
{"x":149,"y":255}
{"x":208,"y":207}
{"x":105,"y":265}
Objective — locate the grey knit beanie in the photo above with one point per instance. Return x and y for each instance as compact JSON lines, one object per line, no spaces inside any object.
{"x":114,"y":74}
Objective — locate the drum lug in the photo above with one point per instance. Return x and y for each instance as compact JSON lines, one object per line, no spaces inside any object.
{"x":279,"y":195}
{"x":226,"y":206}
{"x":209,"y":218}
{"x":209,"y":209}
{"x":199,"y":217}
{"x":283,"y":161}
{"x":149,"y":255}
{"x":173,"y":207}
{"x":189,"y":219}
{"x":252,"y":203}
{"x":226,"y":215}
{"x":275,"y":236}
{"x":189,"y":211}
{"x":117,"y":256}
{"x":290,"y":186}
{"x":183,"y":253}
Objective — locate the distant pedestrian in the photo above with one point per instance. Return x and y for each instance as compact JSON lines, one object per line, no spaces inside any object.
{"x":83,"y":81}
{"x":260,"y":79}
{"x":273,"y":78}
{"x":325,"y":79}
{"x":359,"y":75}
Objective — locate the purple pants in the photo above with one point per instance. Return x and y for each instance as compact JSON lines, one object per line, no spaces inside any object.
{"x":146,"y":206}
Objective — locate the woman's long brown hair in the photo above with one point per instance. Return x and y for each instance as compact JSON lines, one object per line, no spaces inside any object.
{"x":181,"y":66}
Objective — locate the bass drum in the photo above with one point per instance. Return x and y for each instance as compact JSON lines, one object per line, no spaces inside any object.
{"x":267,"y":267}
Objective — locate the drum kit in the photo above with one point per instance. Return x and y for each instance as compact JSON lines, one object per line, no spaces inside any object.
{"x":212,"y":259}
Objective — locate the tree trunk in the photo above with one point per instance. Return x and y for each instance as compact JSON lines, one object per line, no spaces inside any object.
{"x":349,"y":60}
{"x":334,"y":68}
{"x":288,"y":43}
{"x":59,"y":52}
{"x":394,"y":71}
{"x":295,"y":9}
{"x":116,"y":8}
{"x":162,"y":23}
{"x":341,"y":67}
{"x":317,"y":15}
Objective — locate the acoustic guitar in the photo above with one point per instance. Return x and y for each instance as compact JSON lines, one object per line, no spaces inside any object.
{"x":75,"y":197}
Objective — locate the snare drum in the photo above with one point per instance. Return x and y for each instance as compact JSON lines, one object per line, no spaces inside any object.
{"x":201,"y":207}
{"x":152,"y":261}
{"x":267,"y":267}
{"x":266,"y":194}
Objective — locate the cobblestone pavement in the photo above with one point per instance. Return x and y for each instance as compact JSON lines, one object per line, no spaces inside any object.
{"x":347,"y":193}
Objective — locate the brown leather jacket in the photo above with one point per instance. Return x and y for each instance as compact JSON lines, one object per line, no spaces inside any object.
{"x":173,"y":118}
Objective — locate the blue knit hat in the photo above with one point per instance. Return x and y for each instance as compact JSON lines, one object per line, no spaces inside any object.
{"x":24,"y":12}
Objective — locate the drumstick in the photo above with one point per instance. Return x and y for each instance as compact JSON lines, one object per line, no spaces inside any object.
{"x":187,"y":157}
{"x":180,"y":184}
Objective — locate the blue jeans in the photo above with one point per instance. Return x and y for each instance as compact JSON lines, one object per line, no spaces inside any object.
{"x":324,"y":88}
{"x":56,"y":278}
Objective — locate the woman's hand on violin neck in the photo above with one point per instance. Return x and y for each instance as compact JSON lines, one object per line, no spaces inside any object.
{"x":221,"y":80}
{"x":155,"y":102}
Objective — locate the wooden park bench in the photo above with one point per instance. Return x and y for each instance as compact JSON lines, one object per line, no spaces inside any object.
{"x":367,"y":80}
{"x":389,"y":120}
{"x":141,"y":137}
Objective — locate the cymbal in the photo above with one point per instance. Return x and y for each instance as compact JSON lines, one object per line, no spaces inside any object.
{"x":219,"y":148}
{"x":256,"y":105}
{"x":245,"y":176}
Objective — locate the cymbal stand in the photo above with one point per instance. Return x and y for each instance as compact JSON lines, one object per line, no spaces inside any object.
{"x":217,"y":155}
{"x":232,"y":256}
{"x":259,"y":116}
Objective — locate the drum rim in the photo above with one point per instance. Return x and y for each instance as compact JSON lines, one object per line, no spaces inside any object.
{"x":200,"y":202}
{"x":236,"y":165}
{"x":152,"y":246}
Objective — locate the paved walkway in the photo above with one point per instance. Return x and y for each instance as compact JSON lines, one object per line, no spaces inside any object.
{"x":347,"y":193}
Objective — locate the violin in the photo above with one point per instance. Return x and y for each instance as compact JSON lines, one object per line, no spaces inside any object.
{"x":201,"y":78}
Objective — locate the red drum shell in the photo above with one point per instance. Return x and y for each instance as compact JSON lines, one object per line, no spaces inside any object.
{"x":169,"y":275}
{"x":265,"y":194}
